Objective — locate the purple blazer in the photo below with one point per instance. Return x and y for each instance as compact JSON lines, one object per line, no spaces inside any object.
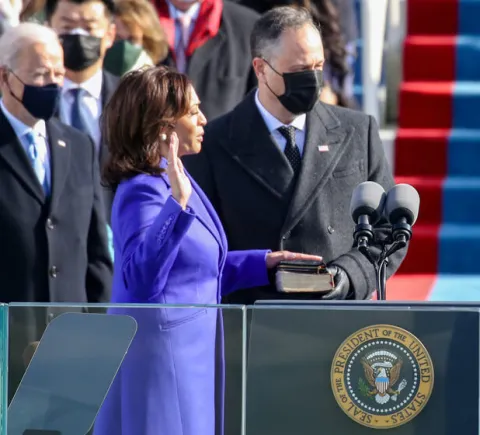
{"x":166,"y":255}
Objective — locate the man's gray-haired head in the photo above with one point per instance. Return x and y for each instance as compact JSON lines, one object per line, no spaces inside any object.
{"x":270,"y":26}
{"x":15,"y":39}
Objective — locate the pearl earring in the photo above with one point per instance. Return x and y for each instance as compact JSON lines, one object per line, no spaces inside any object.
{"x":163,"y":137}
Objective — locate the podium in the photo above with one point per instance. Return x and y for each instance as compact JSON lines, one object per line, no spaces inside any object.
{"x":356,"y":368}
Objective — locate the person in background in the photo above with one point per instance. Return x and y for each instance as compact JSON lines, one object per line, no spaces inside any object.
{"x":10,"y":14}
{"x":209,"y":41}
{"x":141,"y":40}
{"x":86,"y":30}
{"x":280,"y":169}
{"x":53,"y":239}
{"x":137,"y":22}
{"x":170,"y":249}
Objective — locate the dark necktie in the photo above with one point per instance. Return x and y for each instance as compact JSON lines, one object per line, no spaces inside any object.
{"x":76,"y":114}
{"x":292,"y":153}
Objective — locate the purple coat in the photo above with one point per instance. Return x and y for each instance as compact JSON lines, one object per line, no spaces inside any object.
{"x":165,"y":255}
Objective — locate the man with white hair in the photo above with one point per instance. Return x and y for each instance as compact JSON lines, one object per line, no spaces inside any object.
{"x":53,"y":228}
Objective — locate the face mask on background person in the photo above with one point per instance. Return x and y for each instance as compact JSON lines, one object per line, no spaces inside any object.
{"x":81,"y":50}
{"x":40,"y":101}
{"x":302,"y":90}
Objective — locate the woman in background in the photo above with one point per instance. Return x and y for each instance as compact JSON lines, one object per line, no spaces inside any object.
{"x":141,"y":40}
{"x":170,"y":249}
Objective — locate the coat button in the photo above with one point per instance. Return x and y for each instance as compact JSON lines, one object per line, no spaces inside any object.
{"x":50,"y":224}
{"x":53,"y":271}
{"x":330,"y":229}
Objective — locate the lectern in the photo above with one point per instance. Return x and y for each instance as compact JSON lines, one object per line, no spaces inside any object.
{"x":357,"y":368}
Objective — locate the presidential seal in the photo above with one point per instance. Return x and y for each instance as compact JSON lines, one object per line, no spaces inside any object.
{"x":382,"y":376}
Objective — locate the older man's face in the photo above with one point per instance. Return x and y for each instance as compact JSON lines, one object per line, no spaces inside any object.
{"x":36,"y":64}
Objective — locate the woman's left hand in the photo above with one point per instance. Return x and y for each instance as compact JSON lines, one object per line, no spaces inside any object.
{"x":274,"y":258}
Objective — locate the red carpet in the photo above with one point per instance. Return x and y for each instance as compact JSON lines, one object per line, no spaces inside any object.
{"x":424,"y":125}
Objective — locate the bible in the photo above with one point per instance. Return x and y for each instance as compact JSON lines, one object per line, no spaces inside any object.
{"x":303,"y":276}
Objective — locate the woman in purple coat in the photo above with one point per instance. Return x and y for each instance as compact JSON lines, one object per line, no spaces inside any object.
{"x":170,"y":248}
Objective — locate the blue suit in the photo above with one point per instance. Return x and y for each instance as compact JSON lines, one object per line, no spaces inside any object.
{"x":166,"y":255}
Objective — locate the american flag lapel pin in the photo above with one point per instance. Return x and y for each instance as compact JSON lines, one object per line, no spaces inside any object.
{"x":323,"y":148}
{"x":61,"y":143}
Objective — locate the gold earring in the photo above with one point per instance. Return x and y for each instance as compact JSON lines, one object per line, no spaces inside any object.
{"x":163,"y":137}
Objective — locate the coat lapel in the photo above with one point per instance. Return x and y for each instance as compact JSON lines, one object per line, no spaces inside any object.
{"x":250,"y":143}
{"x":217,"y":231}
{"x":324,"y":146}
{"x":12,"y":152}
{"x":60,"y":159}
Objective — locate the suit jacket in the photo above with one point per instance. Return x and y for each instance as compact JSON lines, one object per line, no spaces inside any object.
{"x":221,"y":69}
{"x":110,"y":83}
{"x":52,"y":250}
{"x":251,"y":185}
{"x":166,"y":255}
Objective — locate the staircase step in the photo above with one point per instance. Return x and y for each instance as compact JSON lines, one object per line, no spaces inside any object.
{"x":466,"y":103}
{"x":464,"y":153}
{"x":440,"y":52}
{"x":461,"y":201}
{"x":425,"y":105}
{"x":449,"y":58}
{"x":435,"y":105}
{"x":468,"y":13}
{"x":422,"y":255}
{"x":459,"y":249}
{"x":432,"y":17}
{"x":431,"y":197}
{"x":421,"y":152}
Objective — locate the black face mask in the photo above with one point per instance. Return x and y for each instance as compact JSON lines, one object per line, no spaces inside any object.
{"x":80,"y":51}
{"x":302,"y":90}
{"x":40,"y":101}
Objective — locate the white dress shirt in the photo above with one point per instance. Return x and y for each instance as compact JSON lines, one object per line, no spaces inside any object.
{"x":273,"y":124}
{"x":91,"y":104}
{"x":39,"y":130}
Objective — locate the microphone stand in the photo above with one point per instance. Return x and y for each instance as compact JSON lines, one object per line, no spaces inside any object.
{"x":364,"y":234}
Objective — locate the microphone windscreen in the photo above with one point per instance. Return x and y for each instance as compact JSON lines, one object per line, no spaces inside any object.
{"x":403,"y":201}
{"x":368,"y":198}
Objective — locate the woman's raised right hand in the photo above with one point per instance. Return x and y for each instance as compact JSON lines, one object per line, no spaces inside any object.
{"x":179,"y":182}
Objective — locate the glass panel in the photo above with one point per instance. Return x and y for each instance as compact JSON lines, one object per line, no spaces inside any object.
{"x":174,"y":375}
{"x":342,"y":368}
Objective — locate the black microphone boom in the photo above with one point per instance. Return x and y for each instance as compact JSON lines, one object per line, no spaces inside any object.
{"x":366,"y":208}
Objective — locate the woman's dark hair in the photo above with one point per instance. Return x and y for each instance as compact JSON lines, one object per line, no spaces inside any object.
{"x":146,"y":103}
{"x":325,"y":15}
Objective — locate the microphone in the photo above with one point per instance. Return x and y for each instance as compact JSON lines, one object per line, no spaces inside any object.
{"x":401,"y":210}
{"x":366,"y":208}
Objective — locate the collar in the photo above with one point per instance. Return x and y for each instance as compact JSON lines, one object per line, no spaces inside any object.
{"x":192,"y":11}
{"x":22,"y":129}
{"x":273,"y":123}
{"x":93,"y":85}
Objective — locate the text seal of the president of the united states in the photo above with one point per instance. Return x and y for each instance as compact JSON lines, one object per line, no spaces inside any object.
{"x":382,"y":376}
